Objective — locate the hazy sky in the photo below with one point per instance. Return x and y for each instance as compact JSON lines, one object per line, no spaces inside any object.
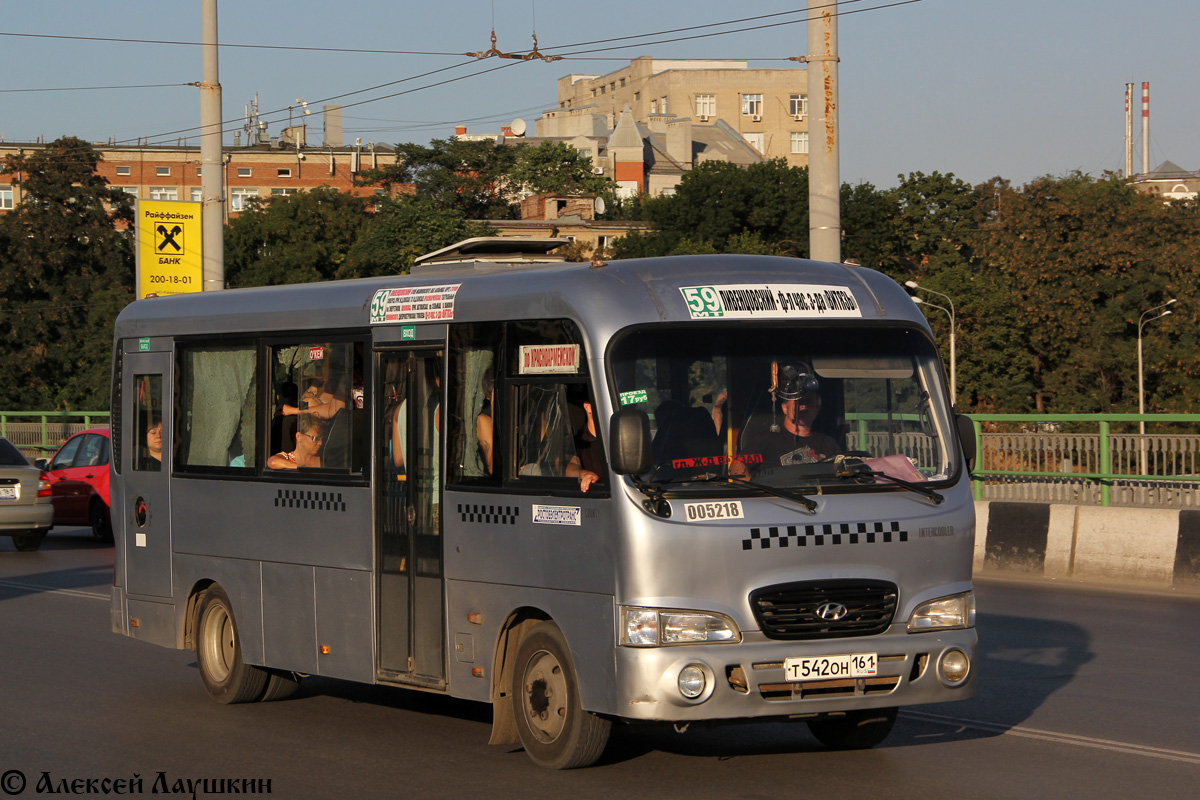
{"x":1015,"y":88}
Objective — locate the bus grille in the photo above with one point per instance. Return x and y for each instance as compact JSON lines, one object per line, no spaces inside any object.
{"x":789,"y":611}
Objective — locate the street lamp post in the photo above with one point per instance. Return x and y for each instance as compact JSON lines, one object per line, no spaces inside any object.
{"x":1142,"y":321}
{"x":950,"y":313}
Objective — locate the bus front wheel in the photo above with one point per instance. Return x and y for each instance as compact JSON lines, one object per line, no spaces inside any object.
{"x":554,"y":728}
{"x":855,"y":730}
{"x":227,"y":678}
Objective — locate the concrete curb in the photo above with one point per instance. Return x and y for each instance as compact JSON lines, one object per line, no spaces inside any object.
{"x":1157,"y":547}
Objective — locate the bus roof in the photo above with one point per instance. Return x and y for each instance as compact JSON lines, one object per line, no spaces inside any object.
{"x":603,"y":296}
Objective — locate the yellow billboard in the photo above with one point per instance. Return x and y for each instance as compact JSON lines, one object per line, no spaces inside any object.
{"x":169,"y":248}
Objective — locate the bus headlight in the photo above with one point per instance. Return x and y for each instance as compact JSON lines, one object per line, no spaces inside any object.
{"x":652,"y":627}
{"x":945,"y":613}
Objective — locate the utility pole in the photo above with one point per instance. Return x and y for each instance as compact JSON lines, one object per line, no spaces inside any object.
{"x":824,"y":176}
{"x":212,"y":182}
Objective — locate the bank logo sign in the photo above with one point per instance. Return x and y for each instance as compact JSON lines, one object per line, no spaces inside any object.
{"x":770,"y":301}
{"x":169,"y":248}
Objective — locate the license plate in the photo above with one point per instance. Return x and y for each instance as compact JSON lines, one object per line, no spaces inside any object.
{"x":820,"y":668}
{"x":8,"y":493}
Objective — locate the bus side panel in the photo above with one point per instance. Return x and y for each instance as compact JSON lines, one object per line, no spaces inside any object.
{"x":588,"y":621}
{"x":289,"y":620}
{"x":496,"y":538}
{"x":345,"y":624}
{"x":296,"y":523}
{"x":242,"y":582}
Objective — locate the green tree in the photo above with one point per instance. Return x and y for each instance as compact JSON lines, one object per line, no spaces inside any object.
{"x":403,"y":229}
{"x":68,"y":271}
{"x":558,"y":168}
{"x":466,"y":176}
{"x":298,"y":238}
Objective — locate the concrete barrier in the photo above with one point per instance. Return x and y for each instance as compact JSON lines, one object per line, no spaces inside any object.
{"x":1158,"y":547}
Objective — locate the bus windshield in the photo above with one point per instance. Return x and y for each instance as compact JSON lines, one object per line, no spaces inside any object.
{"x":788,"y":407}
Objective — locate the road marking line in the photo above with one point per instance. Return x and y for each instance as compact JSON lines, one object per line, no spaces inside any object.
{"x":50,"y":590}
{"x":1061,"y":738}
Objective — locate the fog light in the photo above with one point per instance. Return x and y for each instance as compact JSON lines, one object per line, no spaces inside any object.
{"x":955,"y":666}
{"x":691,"y":681}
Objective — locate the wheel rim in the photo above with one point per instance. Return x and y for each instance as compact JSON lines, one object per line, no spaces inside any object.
{"x":545,"y":696}
{"x":219,"y":643}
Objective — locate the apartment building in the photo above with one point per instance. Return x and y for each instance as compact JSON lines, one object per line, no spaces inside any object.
{"x":172,"y":172}
{"x":766,"y":107}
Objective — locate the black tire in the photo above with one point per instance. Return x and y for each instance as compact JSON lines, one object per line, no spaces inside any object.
{"x":555,"y":730}
{"x":227,"y":678}
{"x":101,"y":523}
{"x":280,"y":685}
{"x":29,"y":541}
{"x":856,"y":730}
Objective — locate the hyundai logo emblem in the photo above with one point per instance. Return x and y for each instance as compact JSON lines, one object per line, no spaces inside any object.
{"x":832,"y":612}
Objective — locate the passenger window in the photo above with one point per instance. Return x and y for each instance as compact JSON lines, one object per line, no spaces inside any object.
{"x":217,"y":407}
{"x":318,"y":418}
{"x":92,"y":453}
{"x":148,"y":448}
{"x":474,"y":402}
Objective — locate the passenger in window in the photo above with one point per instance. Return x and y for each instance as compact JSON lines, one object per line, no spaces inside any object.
{"x":796,"y":402}
{"x":484,"y":424}
{"x":318,"y":399}
{"x":151,"y":459}
{"x":309,"y":436}
{"x":588,"y":462}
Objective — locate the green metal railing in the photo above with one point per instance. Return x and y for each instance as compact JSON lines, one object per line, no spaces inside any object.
{"x":44,"y":431}
{"x":1151,"y":458}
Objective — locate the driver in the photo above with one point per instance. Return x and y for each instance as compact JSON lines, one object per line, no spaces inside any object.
{"x":796,"y":398}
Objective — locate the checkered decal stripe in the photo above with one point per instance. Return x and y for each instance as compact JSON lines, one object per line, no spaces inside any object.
{"x":489,"y":515}
{"x":818,"y":535}
{"x":314,"y":501}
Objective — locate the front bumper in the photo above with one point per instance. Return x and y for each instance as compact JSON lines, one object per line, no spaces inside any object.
{"x":746,"y":680}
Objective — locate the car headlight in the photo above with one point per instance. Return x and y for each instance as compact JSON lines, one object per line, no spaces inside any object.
{"x":652,"y":627}
{"x":945,"y":613}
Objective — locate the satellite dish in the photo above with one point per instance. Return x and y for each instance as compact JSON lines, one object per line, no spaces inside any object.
{"x":518,"y":127}
{"x":599,"y":205}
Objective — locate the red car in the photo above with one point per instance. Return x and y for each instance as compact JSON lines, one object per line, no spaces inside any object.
{"x":78,"y":475}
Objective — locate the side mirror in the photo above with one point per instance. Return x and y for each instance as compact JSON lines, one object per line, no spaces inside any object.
{"x":966,"y":434}
{"x":41,"y":463}
{"x":629,"y":434}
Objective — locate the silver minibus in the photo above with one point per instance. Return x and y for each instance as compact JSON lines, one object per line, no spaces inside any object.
{"x":677,"y":490}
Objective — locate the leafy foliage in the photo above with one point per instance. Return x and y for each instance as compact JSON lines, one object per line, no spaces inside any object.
{"x":68,"y":271}
{"x":404,"y":229}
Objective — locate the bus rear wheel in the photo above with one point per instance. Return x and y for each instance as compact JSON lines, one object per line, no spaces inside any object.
{"x":855,"y":730}
{"x":226,"y":676}
{"x":555,"y":730}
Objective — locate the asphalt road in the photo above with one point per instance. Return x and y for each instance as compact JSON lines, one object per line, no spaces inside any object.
{"x":1084,"y":694}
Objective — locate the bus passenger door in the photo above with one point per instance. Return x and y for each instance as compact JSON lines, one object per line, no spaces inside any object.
{"x":408,"y":526}
{"x":145,"y":525}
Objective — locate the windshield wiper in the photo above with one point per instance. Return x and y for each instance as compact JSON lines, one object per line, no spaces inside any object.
{"x":855,"y":468}
{"x":656,"y":504}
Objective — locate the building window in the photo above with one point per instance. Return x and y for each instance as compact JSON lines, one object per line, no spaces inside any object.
{"x":637,"y":96}
{"x":243,"y":172}
{"x":129,"y":190}
{"x":6,"y":197}
{"x":197,"y":172}
{"x":798,"y":105}
{"x":612,"y":87}
{"x":752,"y":105}
{"x":197,"y":194}
{"x":164,"y":193}
{"x":622,"y":83}
{"x":706,"y":105}
{"x":239,"y":197}
{"x":283,"y":173}
{"x":755,"y":140}
{"x":278,"y":192}
{"x":653,"y":106}
{"x":163,"y":171}
{"x":799,"y":141}
{"x":664,"y":105}
{"x":603,"y":90}
{"x":122,"y":170}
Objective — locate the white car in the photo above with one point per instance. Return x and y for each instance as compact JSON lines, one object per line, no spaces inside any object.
{"x":26,"y":513}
